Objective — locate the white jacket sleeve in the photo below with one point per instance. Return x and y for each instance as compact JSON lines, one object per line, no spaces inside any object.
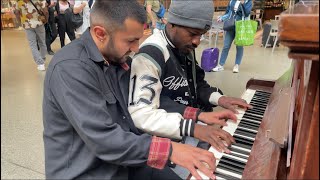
{"x":144,"y":99}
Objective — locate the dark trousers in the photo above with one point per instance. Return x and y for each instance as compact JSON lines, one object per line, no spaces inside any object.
{"x":64,"y":27}
{"x":148,"y":173}
{"x":51,"y":34}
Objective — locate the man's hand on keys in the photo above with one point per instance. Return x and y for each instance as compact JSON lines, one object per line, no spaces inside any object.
{"x":214,"y":136}
{"x":193,"y":158}
{"x":232,"y":103}
{"x":218,"y":117}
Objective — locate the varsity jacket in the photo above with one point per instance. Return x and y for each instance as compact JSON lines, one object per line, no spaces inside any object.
{"x":167,"y":89}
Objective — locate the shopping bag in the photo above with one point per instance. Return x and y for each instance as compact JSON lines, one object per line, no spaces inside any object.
{"x":245,"y":32}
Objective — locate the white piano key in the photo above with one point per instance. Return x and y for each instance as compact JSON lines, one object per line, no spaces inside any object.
{"x":228,"y":173}
{"x":255,"y":115}
{"x":247,"y":129}
{"x":240,"y":148}
{"x":245,"y":137}
{"x":217,"y":177}
{"x":234,"y":152}
{"x":237,"y":158}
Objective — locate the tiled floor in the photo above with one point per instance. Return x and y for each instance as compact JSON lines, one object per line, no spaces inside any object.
{"x":22,"y":152}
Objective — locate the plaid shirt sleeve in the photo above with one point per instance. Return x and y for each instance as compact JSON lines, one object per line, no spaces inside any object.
{"x":191,"y":113}
{"x":159,"y":153}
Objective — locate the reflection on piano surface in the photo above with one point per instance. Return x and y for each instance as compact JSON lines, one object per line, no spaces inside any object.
{"x":279,"y":137}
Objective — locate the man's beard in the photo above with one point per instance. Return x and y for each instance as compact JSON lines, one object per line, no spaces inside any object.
{"x":113,"y":51}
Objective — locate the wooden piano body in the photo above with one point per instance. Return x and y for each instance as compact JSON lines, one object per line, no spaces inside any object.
{"x":293,"y":108}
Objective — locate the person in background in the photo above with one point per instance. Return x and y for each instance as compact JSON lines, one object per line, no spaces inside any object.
{"x":88,"y":131}
{"x":154,"y":22}
{"x":63,"y":26}
{"x":18,"y":16}
{"x":34,"y":28}
{"x":51,"y":26}
{"x":168,"y":93}
{"x":246,"y":5}
{"x":83,"y":6}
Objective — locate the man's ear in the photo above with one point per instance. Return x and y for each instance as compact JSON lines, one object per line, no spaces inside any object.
{"x":100,"y":33}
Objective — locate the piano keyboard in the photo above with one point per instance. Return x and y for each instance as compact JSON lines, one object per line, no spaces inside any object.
{"x":244,"y":131}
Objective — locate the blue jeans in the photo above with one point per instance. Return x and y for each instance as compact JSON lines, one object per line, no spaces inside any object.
{"x":159,"y":26}
{"x":229,"y":37}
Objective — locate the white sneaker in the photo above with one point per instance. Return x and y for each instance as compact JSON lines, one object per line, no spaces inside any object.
{"x":201,"y":38}
{"x":41,"y":67}
{"x":236,"y":68}
{"x":218,"y":68}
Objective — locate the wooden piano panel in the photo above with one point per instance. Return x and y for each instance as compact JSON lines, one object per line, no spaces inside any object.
{"x":299,"y":31}
{"x":266,"y":155}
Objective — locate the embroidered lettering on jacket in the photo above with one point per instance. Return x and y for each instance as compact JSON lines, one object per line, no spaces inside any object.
{"x":181,"y":101}
{"x":173,"y":83}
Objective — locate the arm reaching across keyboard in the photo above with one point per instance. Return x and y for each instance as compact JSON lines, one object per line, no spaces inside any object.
{"x":217,"y":117}
{"x":231,"y":103}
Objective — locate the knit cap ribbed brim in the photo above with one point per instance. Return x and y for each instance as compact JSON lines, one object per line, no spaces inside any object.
{"x":194,"y":14}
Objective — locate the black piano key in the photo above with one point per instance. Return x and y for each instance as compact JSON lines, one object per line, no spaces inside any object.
{"x":264,"y":106}
{"x":247,"y":129}
{"x":245,"y":133}
{"x":233,"y":161}
{"x":255,"y":112}
{"x":261,"y":109}
{"x":243,"y":141}
{"x":261,"y":91}
{"x":258,"y":99}
{"x":238,"y":155}
{"x":229,"y":168}
{"x":252,"y":116}
{"x":239,"y":151}
{"x":258,"y":111}
{"x":249,"y":126}
{"x":251,"y":122}
{"x":243,"y":144}
{"x":224,"y":176}
{"x":261,"y":97}
{"x":258,"y":103}
{"x":262,"y":94}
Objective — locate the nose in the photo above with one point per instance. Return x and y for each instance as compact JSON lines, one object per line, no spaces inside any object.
{"x":196,"y":40}
{"x":135,"y":47}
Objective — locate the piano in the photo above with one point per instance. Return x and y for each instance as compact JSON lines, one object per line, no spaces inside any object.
{"x":279,"y":137}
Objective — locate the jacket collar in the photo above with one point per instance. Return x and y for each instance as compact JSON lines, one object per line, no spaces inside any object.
{"x":93,"y":52}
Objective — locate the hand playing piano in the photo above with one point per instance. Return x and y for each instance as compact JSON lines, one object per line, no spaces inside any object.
{"x":218,"y":117}
{"x":232,"y":103}
{"x":218,"y":138}
{"x":193,"y":158}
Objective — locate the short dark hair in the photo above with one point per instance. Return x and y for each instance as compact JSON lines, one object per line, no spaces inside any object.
{"x":113,"y":13}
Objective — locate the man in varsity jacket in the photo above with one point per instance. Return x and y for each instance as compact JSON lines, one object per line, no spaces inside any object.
{"x":167,"y":86}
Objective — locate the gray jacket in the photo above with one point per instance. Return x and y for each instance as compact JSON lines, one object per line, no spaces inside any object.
{"x":88,"y":131}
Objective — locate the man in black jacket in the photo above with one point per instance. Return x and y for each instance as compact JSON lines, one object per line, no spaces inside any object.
{"x":88,"y":131}
{"x":165,"y":77}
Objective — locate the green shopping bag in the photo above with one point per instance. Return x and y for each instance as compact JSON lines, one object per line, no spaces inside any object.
{"x":245,"y":31}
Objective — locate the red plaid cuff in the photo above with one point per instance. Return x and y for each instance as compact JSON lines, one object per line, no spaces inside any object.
{"x":190,"y":113}
{"x":159,"y":152}
{"x":125,"y":66}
